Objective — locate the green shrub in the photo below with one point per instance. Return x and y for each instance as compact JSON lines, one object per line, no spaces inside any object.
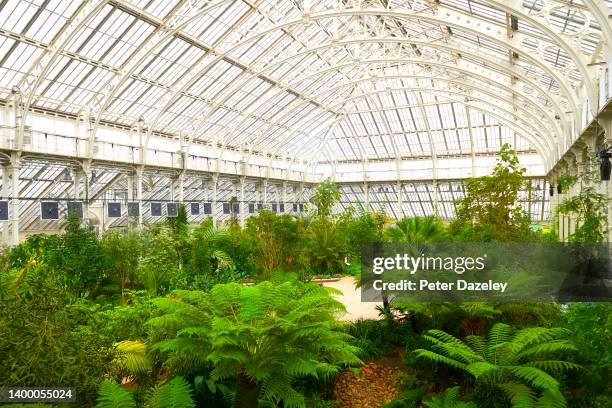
{"x":48,"y":337}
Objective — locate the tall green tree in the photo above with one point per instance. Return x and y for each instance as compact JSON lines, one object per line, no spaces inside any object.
{"x":275,"y":241}
{"x":263,"y":337}
{"x":121,"y":251}
{"x":160,"y":261}
{"x":79,"y":257}
{"x":490,"y":209}
{"x":325,"y":197}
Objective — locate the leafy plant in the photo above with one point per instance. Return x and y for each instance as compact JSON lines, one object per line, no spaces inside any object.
{"x":160,"y":262}
{"x":513,"y":363}
{"x":48,"y":336}
{"x":112,"y":395}
{"x":325,"y":197}
{"x":275,"y":240}
{"x":590,"y":209}
{"x":131,"y":359}
{"x":591,"y":326}
{"x":79,"y":257}
{"x":326,"y":247}
{"x":207,"y":253}
{"x":263,"y":337}
{"x":416,"y":230}
{"x":408,"y":399}
{"x":176,"y":393}
{"x":367,"y":227}
{"x":121,"y":252}
{"x":450,"y":399}
{"x":490,"y":210}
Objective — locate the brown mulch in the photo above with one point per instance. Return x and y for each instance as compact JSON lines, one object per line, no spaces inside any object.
{"x":372,"y":389}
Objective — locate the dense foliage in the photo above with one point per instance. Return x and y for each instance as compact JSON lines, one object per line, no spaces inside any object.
{"x":180,"y":315}
{"x":262,"y":338}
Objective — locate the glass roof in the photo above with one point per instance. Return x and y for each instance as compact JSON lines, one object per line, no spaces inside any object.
{"x":314,"y":81}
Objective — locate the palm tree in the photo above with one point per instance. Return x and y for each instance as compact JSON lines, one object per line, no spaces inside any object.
{"x":264,"y":337}
{"x":515,"y":364}
{"x":207,"y":249}
{"x":416,"y":230}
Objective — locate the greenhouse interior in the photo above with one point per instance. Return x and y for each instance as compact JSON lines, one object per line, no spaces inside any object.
{"x":305,"y":203}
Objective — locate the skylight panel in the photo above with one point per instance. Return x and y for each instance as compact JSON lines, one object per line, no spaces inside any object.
{"x":160,"y":9}
{"x":16,"y":18}
{"x":51,"y":20}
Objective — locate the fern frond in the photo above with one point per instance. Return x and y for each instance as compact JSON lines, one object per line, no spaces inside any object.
{"x":438,"y":358}
{"x":551,"y":399}
{"x":535,"y":376}
{"x":176,"y":393}
{"x":481,"y":368}
{"x":111,"y":395}
{"x":552,"y":346}
{"x":521,"y":395}
{"x":554,"y":365}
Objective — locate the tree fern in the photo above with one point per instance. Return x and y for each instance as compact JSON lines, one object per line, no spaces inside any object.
{"x":265,"y":336}
{"x":176,"y":393}
{"x":112,"y":395}
{"x":516,"y":363}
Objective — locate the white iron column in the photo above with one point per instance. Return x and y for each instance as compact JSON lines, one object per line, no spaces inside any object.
{"x":130,"y":186}
{"x":283,"y":195}
{"x":139,"y":175}
{"x":400,"y":199}
{"x":472,"y":146}
{"x":436,"y":190}
{"x":181,"y":187}
{"x":6,"y":177}
{"x":15,"y":164}
{"x":215,"y":179}
{"x":264,"y":185}
{"x":241,"y":201}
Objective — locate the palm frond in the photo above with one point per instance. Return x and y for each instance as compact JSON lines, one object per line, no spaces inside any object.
{"x":131,"y":358}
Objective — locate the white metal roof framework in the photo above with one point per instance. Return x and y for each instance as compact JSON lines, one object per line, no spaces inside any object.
{"x":313,"y":85}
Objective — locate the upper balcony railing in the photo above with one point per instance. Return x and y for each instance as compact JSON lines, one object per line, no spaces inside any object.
{"x":39,"y":142}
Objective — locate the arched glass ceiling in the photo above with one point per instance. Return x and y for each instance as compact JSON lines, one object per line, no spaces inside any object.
{"x":313,"y":81}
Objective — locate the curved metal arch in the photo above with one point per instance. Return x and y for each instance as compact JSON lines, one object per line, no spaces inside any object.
{"x":292,"y":134}
{"x":362,"y":11}
{"x":453,"y":21}
{"x":602,"y":15}
{"x":543,"y":128}
{"x":163,"y":34}
{"x":333,"y":90}
{"x":572,"y":50}
{"x":87,"y":11}
{"x":508,"y":69}
{"x":419,"y":61}
{"x":522,"y":132}
{"x":289,"y":108}
{"x":508,"y":122}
